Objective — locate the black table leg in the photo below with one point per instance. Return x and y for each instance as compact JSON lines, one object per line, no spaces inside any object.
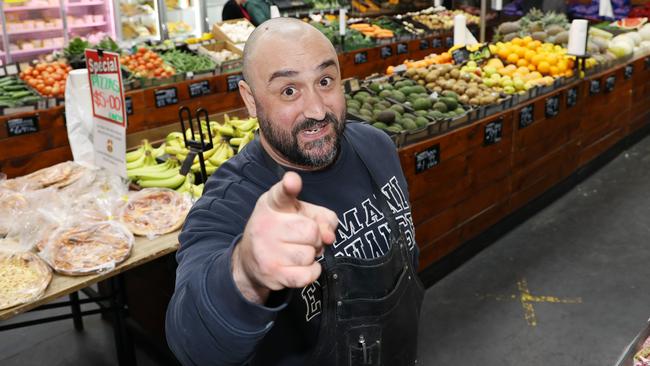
{"x":76,"y":311}
{"x":123,"y":342}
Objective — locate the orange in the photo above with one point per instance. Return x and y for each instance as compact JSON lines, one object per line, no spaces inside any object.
{"x":522,"y":62}
{"x":554,"y":70}
{"x":537,"y":59}
{"x":544,"y":67}
{"x":529,"y":55}
{"x":517,"y":41}
{"x":521,"y":52}
{"x":563,"y":65}
{"x":532,"y":67}
{"x":552,"y":59}
{"x":568,"y":73}
{"x":390,"y":70}
{"x":528,"y":39}
{"x":522,"y":70}
{"x":513,"y":58}
{"x":503,"y":53}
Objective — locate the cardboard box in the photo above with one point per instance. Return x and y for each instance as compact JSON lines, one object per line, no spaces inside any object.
{"x":226,"y":66}
{"x":220,"y":35}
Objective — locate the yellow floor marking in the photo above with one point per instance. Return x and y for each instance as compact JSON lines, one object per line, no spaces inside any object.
{"x":527,"y":300}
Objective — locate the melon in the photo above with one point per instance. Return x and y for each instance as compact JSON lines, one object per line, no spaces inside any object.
{"x":645,"y":32}
{"x":629,"y":23}
{"x":623,"y":38}
{"x":621,"y":48}
{"x":635,"y":37}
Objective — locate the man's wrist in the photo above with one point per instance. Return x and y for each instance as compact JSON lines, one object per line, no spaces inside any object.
{"x":252,"y":291}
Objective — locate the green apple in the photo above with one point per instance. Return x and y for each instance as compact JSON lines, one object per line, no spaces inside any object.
{"x":472,"y":64}
{"x":489,"y":82}
{"x":489,"y":71}
{"x":509,"y":89}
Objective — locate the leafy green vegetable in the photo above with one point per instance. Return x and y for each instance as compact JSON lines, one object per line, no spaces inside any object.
{"x":185,"y":62}
{"x":108,"y":44}
{"x":75,"y":49}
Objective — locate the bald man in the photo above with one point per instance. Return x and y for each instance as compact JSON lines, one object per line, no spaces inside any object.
{"x":301,"y":250}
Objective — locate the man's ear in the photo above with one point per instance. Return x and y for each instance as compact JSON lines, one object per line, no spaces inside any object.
{"x":247,"y":95}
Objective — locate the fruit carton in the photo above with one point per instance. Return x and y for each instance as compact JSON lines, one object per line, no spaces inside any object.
{"x":226,"y":66}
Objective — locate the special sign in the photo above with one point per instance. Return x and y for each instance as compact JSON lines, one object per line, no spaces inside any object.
{"x":105,"y":79}
{"x":109,"y":110}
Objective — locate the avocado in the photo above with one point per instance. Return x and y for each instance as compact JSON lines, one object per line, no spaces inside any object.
{"x":409,"y":115}
{"x":419,"y":89}
{"x":437,"y":114}
{"x":374,"y":86}
{"x":397,"y":108}
{"x":440,"y":106}
{"x":406,"y":90}
{"x":385,"y":93}
{"x":420,"y":113}
{"x":365,"y":113}
{"x":401,"y":84}
{"x":394,"y":129}
{"x":354,"y":104}
{"x":353,"y":111}
{"x":384,"y":104}
{"x":460,"y":111}
{"x":380,"y":125}
{"x":387,"y":117}
{"x":409,"y":124}
{"x":366,"y":106}
{"x":422,"y":104}
{"x":399,"y":96}
{"x":451,"y":103}
{"x":449,"y":94}
{"x":388,"y":86}
{"x":421,"y":121}
{"x":372,"y":100}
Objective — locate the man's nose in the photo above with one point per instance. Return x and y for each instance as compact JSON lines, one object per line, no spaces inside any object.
{"x":314,"y":107}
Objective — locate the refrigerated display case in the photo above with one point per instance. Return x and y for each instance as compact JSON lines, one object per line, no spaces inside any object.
{"x":32,"y":28}
{"x":138,"y":21}
{"x":90,"y":19}
{"x":3,"y":42}
{"x":184,"y":18}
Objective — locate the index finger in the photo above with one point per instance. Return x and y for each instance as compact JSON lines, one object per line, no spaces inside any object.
{"x":283,"y":196}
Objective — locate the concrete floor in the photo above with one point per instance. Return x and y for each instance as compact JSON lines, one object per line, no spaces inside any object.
{"x":586,"y":253}
{"x":589,"y":250}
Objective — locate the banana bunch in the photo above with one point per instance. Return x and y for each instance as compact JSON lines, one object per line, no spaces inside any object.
{"x":142,"y":167}
{"x":240,"y":131}
{"x":194,"y":190}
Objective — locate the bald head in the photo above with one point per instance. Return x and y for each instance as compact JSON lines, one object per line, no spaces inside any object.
{"x":266,"y":38}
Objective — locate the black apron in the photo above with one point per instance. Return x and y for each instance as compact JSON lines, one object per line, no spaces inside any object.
{"x":370,"y":307}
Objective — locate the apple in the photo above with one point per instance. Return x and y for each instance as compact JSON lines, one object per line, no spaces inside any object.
{"x":509,"y":89}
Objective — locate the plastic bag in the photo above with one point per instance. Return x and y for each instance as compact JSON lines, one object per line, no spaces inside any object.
{"x":155,"y":211}
{"x":23,"y":278}
{"x":100,"y":199}
{"x":57,"y":176}
{"x":12,"y":203}
{"x":78,"y":116}
{"x":85,"y":248}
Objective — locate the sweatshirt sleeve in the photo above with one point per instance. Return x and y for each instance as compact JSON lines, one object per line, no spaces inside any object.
{"x":208,"y":321}
{"x":259,"y":11}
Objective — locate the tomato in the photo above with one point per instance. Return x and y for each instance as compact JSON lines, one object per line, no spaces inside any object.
{"x":40,"y":67}
{"x":149,"y":65}
{"x":56,"y":90}
{"x":49,"y":81}
{"x":47,"y":90}
{"x":57,"y":77}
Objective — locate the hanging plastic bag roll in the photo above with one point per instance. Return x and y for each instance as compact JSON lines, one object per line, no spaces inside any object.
{"x":605,"y":9}
{"x":460,"y":30}
{"x":578,"y":37}
{"x":78,"y":115}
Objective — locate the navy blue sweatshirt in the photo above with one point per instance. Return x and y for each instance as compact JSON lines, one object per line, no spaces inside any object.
{"x":209,"y":322}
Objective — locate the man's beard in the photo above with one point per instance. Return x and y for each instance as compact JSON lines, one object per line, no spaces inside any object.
{"x":314,"y":154}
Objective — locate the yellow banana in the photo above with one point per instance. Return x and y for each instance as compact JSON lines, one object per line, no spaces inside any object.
{"x":172,"y":182}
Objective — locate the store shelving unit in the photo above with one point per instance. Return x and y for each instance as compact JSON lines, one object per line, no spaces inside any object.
{"x":90,"y":19}
{"x":32,"y":28}
{"x":184,"y":18}
{"x":138,"y":20}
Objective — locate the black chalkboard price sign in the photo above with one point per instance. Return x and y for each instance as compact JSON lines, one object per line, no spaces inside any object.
{"x":402,"y":48}
{"x":22,"y":126}
{"x":460,"y":56}
{"x":629,"y":71}
{"x":526,"y":116}
{"x":571,"y":97}
{"x":449,"y":42}
{"x":594,"y":87}
{"x":552,"y":106}
{"x":610,"y":83}
{"x":424,"y":44}
{"x":436,"y":43}
{"x":165,"y":97}
{"x":199,"y":88}
{"x":360,"y":58}
{"x":233,"y":82}
{"x":427,"y":159}
{"x":128,"y":103}
{"x":386,"y":51}
{"x":493,"y":132}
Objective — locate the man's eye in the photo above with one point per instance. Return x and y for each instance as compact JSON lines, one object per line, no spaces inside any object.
{"x":326,"y":81}
{"x":289,"y":92}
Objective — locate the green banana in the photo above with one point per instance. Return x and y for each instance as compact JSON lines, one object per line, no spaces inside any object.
{"x":172,"y":182}
{"x":160,"y":150}
{"x":196,"y":190}
{"x":134,"y":155}
{"x":187,"y":184}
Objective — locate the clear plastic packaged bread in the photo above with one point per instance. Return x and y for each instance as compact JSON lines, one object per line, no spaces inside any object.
{"x":56,"y":176}
{"x":155,"y":211}
{"x":24,"y":277}
{"x":84,"y":248}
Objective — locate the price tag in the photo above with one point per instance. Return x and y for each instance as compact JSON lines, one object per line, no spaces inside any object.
{"x":594,"y":87}
{"x":12,"y":69}
{"x":526,"y":116}
{"x":51,"y":102}
{"x":424,"y":44}
{"x":165,"y":97}
{"x":552,"y":106}
{"x":42,"y":104}
{"x":402,"y":48}
{"x":2,"y":71}
{"x":189,"y":75}
{"x":460,"y":56}
{"x":610,"y":83}
{"x":351,"y":85}
{"x":571,"y":97}
{"x":427,"y":159}
{"x":22,"y":126}
{"x":233,"y":82}
{"x":437,"y":43}
{"x":360,"y":58}
{"x":629,"y":71}
{"x":107,"y":93}
{"x":386,"y":51}
{"x":128,"y":104}
{"x":449,"y":42}
{"x":199,"y":88}
{"x":493,"y":132}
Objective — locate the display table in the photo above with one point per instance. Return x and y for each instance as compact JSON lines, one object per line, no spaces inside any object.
{"x":144,"y":251}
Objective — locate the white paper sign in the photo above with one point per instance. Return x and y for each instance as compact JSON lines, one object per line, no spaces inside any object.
{"x":109,"y":114}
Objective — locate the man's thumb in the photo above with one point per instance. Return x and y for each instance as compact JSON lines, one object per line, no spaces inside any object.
{"x":283,"y":196}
